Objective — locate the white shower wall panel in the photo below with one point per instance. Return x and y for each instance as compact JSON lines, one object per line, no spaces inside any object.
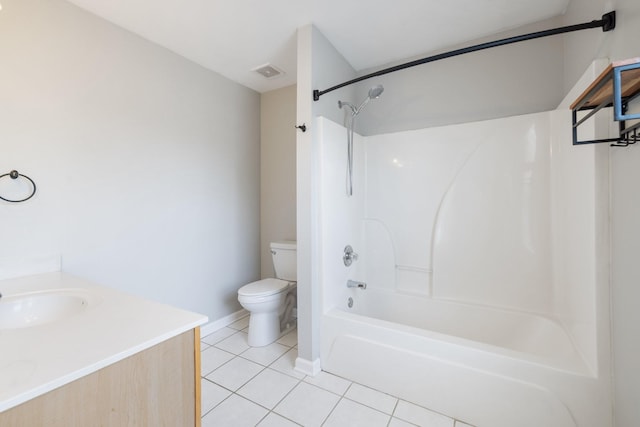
{"x":407,"y":174}
{"x":466,"y":209}
{"x":340,"y":215}
{"x":492,"y":235}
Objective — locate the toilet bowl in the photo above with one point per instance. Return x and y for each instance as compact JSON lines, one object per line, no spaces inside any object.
{"x":265,"y":301}
{"x":270,"y":302}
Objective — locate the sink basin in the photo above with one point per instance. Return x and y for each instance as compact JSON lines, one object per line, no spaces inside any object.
{"x":37,"y":308}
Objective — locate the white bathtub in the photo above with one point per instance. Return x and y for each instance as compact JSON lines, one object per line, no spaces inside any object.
{"x":484,"y":366}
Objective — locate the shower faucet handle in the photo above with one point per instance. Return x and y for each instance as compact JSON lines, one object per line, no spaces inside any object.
{"x":349,"y":256}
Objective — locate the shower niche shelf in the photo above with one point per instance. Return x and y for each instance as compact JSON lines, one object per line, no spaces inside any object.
{"x":616,"y":86}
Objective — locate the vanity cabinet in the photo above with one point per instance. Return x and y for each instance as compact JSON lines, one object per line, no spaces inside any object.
{"x":159,"y":386}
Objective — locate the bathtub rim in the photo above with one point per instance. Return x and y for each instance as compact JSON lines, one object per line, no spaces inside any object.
{"x":482,"y":348}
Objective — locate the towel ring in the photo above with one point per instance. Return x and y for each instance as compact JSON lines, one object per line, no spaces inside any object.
{"x":14,"y":175}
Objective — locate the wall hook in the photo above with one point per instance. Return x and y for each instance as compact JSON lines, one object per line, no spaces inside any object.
{"x":302,"y":127}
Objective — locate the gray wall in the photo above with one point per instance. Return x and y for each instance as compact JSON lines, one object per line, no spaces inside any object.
{"x":277,"y":171}
{"x":320,"y":65}
{"x":147,"y":164}
{"x":504,"y":81}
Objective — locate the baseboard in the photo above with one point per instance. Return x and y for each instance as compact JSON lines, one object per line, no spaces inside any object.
{"x":211,"y":327}
{"x":308,"y":367}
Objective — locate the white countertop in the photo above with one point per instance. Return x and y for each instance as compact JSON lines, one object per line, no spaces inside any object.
{"x":115,"y":325}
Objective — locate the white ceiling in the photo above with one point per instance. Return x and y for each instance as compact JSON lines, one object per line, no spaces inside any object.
{"x":232,"y":37}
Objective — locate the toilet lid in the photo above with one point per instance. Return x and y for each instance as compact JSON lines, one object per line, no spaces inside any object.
{"x":263,"y":288}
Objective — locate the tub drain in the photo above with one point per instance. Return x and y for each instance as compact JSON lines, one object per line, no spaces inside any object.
{"x":350,"y":302}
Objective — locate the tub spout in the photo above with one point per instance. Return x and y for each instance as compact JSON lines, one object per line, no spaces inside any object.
{"x":354,"y":284}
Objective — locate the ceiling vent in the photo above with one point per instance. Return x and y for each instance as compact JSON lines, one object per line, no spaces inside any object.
{"x":268,"y":71}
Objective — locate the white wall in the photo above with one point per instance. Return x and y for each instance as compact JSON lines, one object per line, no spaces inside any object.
{"x":146,"y":164}
{"x":340,"y":215}
{"x":277,"y":171}
{"x":580,"y":50}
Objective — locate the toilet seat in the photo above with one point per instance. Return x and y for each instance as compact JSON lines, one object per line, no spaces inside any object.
{"x":263,"y":288}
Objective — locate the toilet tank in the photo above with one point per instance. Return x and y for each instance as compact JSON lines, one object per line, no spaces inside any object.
{"x":284,"y":260}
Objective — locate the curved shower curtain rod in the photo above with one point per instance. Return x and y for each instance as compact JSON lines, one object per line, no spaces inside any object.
{"x":607,"y":23}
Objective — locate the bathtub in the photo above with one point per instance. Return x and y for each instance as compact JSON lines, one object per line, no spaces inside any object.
{"x":485,"y":366}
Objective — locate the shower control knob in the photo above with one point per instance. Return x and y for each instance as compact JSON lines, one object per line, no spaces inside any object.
{"x":349,"y":256}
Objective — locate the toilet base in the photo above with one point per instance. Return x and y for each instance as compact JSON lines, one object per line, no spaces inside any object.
{"x":264,"y":329}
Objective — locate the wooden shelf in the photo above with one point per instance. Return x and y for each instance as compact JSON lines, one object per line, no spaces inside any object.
{"x":630,"y":85}
{"x":615,"y":87}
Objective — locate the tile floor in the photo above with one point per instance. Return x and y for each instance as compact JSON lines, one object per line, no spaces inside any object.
{"x":244,"y":386}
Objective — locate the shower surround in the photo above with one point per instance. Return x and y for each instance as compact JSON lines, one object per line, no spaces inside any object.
{"x":484,"y":250}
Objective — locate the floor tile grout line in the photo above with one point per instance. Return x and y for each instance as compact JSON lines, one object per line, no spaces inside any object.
{"x":264,"y":369}
{"x":348,"y":388}
{"x":323,"y":389}
{"x":269,"y":364}
{"x":241,"y":330}
{"x":284,"y":373}
{"x":252,"y":361}
{"x":259,"y":404}
{"x":395,"y":407}
{"x":344,"y":397}
{"x":312,"y":385}
{"x":283,"y":398}
{"x":374,"y":389}
{"x":300,"y":380}
{"x":221,"y":339}
{"x":236,"y":321}
{"x":280,"y":415}
{"x":277,"y":370}
{"x":428,"y":409}
{"x":331,"y":412}
{"x":221,"y":349}
{"x":367,"y":406}
{"x":219,"y":403}
{"x":256,"y":374}
{"x":231,"y":391}
{"x":341,"y":397}
{"x":219,"y":366}
{"x":398,"y":400}
{"x":235,"y":354}
{"x":404,"y":421}
{"x":326,"y":389}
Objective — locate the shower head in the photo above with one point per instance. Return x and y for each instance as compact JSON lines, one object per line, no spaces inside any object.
{"x":376,"y":91}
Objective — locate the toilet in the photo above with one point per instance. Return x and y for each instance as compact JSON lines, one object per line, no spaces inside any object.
{"x":270,"y":302}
